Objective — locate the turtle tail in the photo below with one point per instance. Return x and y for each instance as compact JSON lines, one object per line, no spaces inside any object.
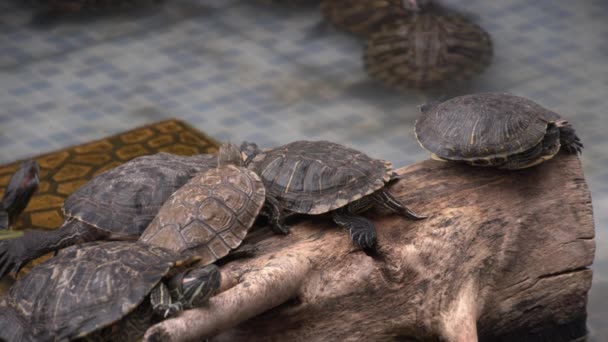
{"x":12,"y":326}
{"x":21,"y":187}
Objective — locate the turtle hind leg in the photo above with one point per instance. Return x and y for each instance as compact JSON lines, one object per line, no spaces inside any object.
{"x":570,"y":142}
{"x":17,"y":252}
{"x":276,"y":215}
{"x":384,"y":199}
{"x":362,"y":230}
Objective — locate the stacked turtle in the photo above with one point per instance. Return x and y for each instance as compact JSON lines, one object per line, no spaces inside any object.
{"x":116,"y":204}
{"x":413,"y":43}
{"x":114,"y":290}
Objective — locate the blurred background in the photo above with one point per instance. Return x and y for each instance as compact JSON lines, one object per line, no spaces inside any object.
{"x":248,"y":70}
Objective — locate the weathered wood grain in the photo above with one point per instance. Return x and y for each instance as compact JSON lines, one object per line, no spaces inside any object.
{"x":503,"y":256}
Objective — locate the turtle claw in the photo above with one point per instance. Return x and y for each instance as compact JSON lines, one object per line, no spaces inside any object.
{"x":364,"y":238}
{"x":173,"y":309}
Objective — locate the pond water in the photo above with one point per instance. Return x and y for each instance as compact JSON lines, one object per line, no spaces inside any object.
{"x":240,"y":70}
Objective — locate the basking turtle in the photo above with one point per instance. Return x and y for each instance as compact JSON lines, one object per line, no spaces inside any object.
{"x":107,"y":291}
{"x":494,"y":129}
{"x":427,"y":49}
{"x":363,"y":17}
{"x":316,"y":177}
{"x":116,"y":204}
{"x":21,"y":186}
{"x":103,"y":285}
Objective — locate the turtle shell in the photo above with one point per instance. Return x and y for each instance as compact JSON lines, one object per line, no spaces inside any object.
{"x":124,"y":200}
{"x":427,"y":50}
{"x":362,"y":17}
{"x":63,"y":172}
{"x":74,"y":6}
{"x":482,"y":126}
{"x":210,"y":215}
{"x":314,"y":177}
{"x":57,"y":298}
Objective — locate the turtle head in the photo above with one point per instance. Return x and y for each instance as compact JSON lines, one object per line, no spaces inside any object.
{"x":199,"y":284}
{"x":415,"y":5}
{"x":249,"y":150}
{"x":229,"y":154}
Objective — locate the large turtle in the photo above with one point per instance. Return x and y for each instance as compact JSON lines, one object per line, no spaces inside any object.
{"x":427,"y":49}
{"x":116,"y":204}
{"x":494,"y":129}
{"x":317,"y":177}
{"x":99,"y":288}
{"x":21,"y":186}
{"x":363,"y":17}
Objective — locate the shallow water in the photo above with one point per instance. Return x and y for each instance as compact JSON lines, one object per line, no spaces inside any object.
{"x":242,"y":71}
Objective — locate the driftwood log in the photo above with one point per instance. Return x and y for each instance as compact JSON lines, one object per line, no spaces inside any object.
{"x":503,"y":256}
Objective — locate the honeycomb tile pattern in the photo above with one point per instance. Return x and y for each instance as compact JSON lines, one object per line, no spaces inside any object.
{"x":245,"y":70}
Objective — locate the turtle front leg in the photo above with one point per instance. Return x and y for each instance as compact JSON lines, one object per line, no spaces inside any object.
{"x":568,"y":139}
{"x":17,"y":252}
{"x":193,"y":287}
{"x":362,"y":230}
{"x":162,"y":303}
{"x":276,"y":216}
{"x":384,"y":199}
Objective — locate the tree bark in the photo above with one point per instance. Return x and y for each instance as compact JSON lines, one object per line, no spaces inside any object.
{"x":503,"y":256}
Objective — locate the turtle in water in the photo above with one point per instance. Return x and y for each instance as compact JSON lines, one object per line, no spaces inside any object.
{"x":22,"y":185}
{"x":116,"y":204}
{"x":427,"y":49}
{"x":494,"y":129}
{"x":363,"y":17}
{"x":51,"y":10}
{"x":317,"y":177}
{"x":96,"y":290}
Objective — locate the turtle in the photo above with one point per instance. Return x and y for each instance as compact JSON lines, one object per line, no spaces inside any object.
{"x":429,"y":48}
{"x":51,"y":10}
{"x":104,"y":290}
{"x":495,"y":130}
{"x":200,"y":223}
{"x":363,"y":17}
{"x":21,"y":187}
{"x":116,"y":204}
{"x":318,"y":177}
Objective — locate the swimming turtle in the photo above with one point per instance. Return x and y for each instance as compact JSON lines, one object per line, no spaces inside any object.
{"x":116,"y":204}
{"x":21,"y":186}
{"x":363,"y":17}
{"x":494,"y":129}
{"x":427,"y":49}
{"x":98,"y":288}
{"x":317,"y":177}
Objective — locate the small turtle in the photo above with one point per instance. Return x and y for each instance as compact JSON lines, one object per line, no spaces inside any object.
{"x":427,"y":49}
{"x":363,"y":17}
{"x":117,"y":204}
{"x":494,"y":129}
{"x":22,"y":185}
{"x":316,"y":177}
{"x":99,"y":286}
